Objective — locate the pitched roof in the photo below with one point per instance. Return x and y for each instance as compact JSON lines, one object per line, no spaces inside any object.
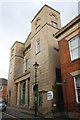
{"x":66,"y":27}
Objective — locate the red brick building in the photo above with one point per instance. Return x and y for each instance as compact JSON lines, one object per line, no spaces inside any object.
{"x":3,"y":88}
{"x":69,"y":49}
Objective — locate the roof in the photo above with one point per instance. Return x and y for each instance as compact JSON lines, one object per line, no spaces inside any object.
{"x":42,"y":9}
{"x":3,"y":81}
{"x":66,"y":27}
{"x":17,"y":42}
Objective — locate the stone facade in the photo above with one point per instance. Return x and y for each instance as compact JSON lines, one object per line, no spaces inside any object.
{"x":40,"y":46}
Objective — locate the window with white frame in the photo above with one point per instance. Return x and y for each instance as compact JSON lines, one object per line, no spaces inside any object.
{"x":77,"y":87}
{"x":74,"y":45}
{"x":37,"y":46}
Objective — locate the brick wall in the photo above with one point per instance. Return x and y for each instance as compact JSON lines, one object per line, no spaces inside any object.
{"x":4,"y":91}
{"x":66,"y":68}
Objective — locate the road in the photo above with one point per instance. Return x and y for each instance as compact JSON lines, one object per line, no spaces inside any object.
{"x":8,"y":116}
{"x":17,"y":114}
{"x":13,"y":114}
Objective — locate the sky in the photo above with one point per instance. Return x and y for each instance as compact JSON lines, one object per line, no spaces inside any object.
{"x":15,"y":22}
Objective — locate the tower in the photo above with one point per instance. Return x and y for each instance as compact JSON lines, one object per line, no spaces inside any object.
{"x":44,"y":50}
{"x":15,"y":69}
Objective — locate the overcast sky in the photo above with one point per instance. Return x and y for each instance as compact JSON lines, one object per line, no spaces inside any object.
{"x":15,"y":23}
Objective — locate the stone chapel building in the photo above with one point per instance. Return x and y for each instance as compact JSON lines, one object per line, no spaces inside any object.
{"x":40,"y":47}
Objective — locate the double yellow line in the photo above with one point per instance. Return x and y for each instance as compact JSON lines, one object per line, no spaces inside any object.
{"x":11,"y":116}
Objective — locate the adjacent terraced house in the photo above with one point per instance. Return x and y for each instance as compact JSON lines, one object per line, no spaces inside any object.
{"x":69,"y":49}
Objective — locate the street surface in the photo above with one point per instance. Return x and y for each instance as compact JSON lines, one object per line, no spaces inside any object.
{"x":0,"y":115}
{"x":13,"y":114}
{"x":18,"y":114}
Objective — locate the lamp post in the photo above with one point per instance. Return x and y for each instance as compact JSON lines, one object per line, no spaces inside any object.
{"x":36,"y":65}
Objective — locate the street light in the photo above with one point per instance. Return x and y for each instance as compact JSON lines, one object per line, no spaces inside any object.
{"x":36,"y":65}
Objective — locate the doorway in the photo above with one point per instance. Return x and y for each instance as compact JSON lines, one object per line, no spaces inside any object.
{"x":23,"y":92}
{"x":59,"y":91}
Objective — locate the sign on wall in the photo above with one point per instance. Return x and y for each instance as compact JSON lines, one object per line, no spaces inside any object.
{"x":49,"y":95}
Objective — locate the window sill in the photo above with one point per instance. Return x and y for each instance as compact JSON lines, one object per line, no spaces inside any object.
{"x":75,"y":60}
{"x":78,"y":104}
{"x":37,"y":26}
{"x":26,"y":71}
{"x":37,"y":52}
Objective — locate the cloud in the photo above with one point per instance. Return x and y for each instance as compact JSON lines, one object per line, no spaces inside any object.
{"x":4,"y":61}
{"x":41,"y":1}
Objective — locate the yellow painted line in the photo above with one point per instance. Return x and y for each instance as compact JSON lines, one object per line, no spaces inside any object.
{"x":11,"y":116}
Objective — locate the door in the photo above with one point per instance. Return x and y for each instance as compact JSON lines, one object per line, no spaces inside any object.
{"x":59,"y":91}
{"x":23,"y":93}
{"x":36,"y":93}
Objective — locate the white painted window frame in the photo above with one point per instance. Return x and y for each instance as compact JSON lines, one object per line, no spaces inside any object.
{"x":76,"y":90}
{"x":70,"y":48}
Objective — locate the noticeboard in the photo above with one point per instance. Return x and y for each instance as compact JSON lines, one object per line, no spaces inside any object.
{"x":49,"y":95}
